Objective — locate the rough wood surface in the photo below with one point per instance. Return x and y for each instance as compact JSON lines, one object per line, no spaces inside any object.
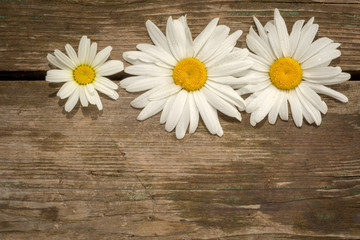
{"x":32,"y":28}
{"x":91,"y":175}
{"x":104,"y":175}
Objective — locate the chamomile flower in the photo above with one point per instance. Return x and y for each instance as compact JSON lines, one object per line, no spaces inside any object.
{"x":185,"y":78}
{"x":84,"y":74}
{"x":290,"y":68}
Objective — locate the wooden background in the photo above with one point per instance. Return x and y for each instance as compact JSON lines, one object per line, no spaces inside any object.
{"x":104,"y":175}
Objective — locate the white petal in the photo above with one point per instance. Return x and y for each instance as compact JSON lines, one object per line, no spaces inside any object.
{"x":261,"y":30}
{"x":320,"y":58}
{"x":101,"y":57}
{"x":203,"y":37}
{"x":257,"y":45}
{"x":110,"y":67}
{"x":87,"y":51}
{"x":105,"y":90}
{"x":308,"y":109}
{"x":327,"y":91}
{"x":307,"y":36}
{"x":90,"y":93}
{"x":259,"y":114}
{"x":255,"y":101}
{"x":220,"y":104}
{"x":184,"y":121}
{"x":92,"y":53}
{"x":283,"y":111}
{"x":142,"y":100}
{"x":84,"y":48}
{"x":130,"y":80}
{"x":176,"y":38}
{"x":65,"y":60}
{"x":71,"y":53}
{"x":306,"y":113}
{"x":54,"y":61}
{"x":342,"y":77}
{"x":176,"y":110}
{"x":225,"y":47}
{"x":313,"y":97}
{"x":167,"y":107}
{"x":107,"y":82}
{"x":148,"y":70}
{"x":296,"y":109}
{"x":67,"y":89}
{"x":166,"y":91}
{"x":158,"y":53}
{"x":227,"y":93}
{"x":73,"y":99}
{"x":238,"y":54}
{"x":194,"y":113}
{"x":207,"y":112}
{"x":259,"y":63}
{"x":91,"y":89}
{"x":147,"y":83}
{"x":219,"y":130}
{"x":251,"y":88}
{"x":258,"y":99}
{"x":235,"y":55}
{"x":229,"y":80}
{"x":251,"y":77}
{"x":98,"y":101}
{"x":274,"y":39}
{"x":213,"y":43}
{"x":282,"y":32}
{"x":157,"y":36}
{"x":229,"y":68}
{"x":151,"y":109}
{"x":83,"y":99}
{"x":57,"y":75}
{"x":137,"y":57}
{"x":321,"y":72}
{"x":314,"y":48}
{"x":274,"y":111}
{"x":295,"y":36}
{"x":189,"y":45}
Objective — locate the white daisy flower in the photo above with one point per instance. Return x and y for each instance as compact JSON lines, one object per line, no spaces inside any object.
{"x":290,"y":68}
{"x":186,"y":77}
{"x":84,"y":74}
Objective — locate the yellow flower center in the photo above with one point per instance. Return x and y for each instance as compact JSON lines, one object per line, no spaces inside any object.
{"x":84,"y":74}
{"x":285,"y":73}
{"x":190,"y":74}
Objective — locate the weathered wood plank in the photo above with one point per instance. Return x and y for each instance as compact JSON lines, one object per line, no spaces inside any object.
{"x":31,"y":29}
{"x":97,"y":175}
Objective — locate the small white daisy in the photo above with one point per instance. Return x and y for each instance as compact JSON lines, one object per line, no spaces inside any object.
{"x":83,"y":74}
{"x":186,"y":77}
{"x":290,"y":68}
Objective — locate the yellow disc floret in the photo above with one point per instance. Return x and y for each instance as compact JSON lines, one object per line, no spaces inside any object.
{"x":84,"y":74}
{"x":190,"y":74}
{"x":285,"y":73}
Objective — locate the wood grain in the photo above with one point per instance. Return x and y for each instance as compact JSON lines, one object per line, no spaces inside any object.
{"x":104,"y":175}
{"x":31,"y":29}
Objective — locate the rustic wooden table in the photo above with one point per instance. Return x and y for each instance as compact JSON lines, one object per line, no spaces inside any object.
{"x":104,"y":175}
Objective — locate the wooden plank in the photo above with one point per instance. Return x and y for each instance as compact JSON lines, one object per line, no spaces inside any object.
{"x":104,"y":175}
{"x":31,"y":29}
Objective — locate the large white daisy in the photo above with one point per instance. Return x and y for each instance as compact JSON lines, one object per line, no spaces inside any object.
{"x":185,"y":77}
{"x":84,"y":74}
{"x":290,"y":69}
